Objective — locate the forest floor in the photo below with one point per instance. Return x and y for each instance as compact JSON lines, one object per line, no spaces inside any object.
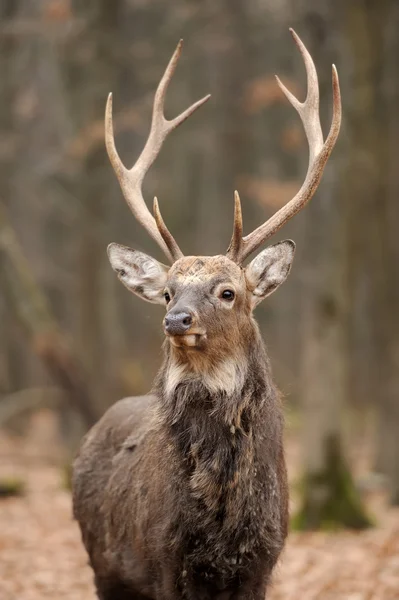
{"x":41,"y":555}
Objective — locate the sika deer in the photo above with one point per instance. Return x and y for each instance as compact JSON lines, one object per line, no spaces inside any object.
{"x":183,"y":494}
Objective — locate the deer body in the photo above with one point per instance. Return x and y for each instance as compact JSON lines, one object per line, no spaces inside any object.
{"x":196,"y":508}
{"x":182,"y":495}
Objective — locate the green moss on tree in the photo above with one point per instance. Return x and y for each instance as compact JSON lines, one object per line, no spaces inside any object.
{"x":329,"y":497}
{"x":11,"y":487}
{"x":67,"y":477}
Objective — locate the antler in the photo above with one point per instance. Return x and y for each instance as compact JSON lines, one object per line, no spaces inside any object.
{"x":319,"y":153}
{"x":131,"y":180}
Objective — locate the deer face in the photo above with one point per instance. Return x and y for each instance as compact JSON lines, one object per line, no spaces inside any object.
{"x":208,"y":299}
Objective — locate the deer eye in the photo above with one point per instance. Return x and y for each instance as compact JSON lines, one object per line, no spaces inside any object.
{"x":227,"y":295}
{"x":167,"y":297}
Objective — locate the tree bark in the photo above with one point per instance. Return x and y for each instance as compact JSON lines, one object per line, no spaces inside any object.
{"x":34,"y":315}
{"x":329,"y":497}
{"x":370,"y":194}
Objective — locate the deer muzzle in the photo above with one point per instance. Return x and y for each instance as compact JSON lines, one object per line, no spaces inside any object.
{"x":178,"y":323}
{"x":180,"y":326}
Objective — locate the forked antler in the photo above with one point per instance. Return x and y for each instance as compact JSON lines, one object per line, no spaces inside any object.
{"x":131,"y":180}
{"x":319,"y":152}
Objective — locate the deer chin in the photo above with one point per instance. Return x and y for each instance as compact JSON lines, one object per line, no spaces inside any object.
{"x":188,"y":340}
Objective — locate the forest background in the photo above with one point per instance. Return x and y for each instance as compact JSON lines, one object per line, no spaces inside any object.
{"x":73,"y":340}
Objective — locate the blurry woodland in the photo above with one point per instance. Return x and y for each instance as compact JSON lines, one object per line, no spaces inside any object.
{"x":72,"y":338}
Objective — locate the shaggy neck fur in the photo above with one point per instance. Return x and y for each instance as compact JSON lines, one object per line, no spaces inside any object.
{"x":216,"y":415}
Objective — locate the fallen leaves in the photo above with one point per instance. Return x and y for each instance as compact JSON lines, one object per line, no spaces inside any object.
{"x":41,"y":555}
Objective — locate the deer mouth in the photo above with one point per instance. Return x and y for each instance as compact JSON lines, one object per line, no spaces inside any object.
{"x":187,"y":340}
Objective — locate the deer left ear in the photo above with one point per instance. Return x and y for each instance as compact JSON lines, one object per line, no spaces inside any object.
{"x":269,"y":270}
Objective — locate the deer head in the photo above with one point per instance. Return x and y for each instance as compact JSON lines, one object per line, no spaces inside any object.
{"x":205,"y":297}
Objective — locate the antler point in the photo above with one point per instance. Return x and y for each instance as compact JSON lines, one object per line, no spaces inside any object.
{"x":109,"y":102}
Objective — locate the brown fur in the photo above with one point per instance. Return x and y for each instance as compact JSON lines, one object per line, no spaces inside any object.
{"x":183,"y":494}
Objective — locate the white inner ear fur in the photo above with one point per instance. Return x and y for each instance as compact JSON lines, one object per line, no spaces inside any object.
{"x":269,"y":269}
{"x":141,"y":274}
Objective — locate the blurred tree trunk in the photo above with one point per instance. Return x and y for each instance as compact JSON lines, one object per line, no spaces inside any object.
{"x":92,"y":75}
{"x":392,"y":279}
{"x":371,"y":192}
{"x":12,"y":355}
{"x":365,"y":194}
{"x":5,"y":165}
{"x":329,"y":497}
{"x":386,"y":278}
{"x":33,"y":313}
{"x":40,"y":206}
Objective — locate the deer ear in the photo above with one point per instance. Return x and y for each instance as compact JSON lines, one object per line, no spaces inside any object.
{"x":140,"y":273}
{"x":269,"y":270}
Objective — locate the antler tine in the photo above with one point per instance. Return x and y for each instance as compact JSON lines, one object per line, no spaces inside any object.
{"x":308,"y":110}
{"x":234,"y":249}
{"x":319,"y":151}
{"x":167,"y":237}
{"x":131,"y":179}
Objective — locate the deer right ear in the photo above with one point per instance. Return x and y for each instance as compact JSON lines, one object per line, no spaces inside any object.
{"x":140,"y":273}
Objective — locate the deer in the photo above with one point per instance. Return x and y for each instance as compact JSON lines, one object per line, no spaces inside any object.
{"x":182,"y":494}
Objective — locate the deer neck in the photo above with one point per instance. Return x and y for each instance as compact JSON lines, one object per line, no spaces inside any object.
{"x":212,"y":417}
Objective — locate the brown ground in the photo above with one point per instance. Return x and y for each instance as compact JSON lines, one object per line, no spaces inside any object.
{"x":41,"y":556}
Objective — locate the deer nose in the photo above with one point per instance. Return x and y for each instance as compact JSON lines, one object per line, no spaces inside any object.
{"x":178,"y":323}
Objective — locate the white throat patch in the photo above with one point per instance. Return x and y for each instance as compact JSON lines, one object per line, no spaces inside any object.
{"x":227,"y":376}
